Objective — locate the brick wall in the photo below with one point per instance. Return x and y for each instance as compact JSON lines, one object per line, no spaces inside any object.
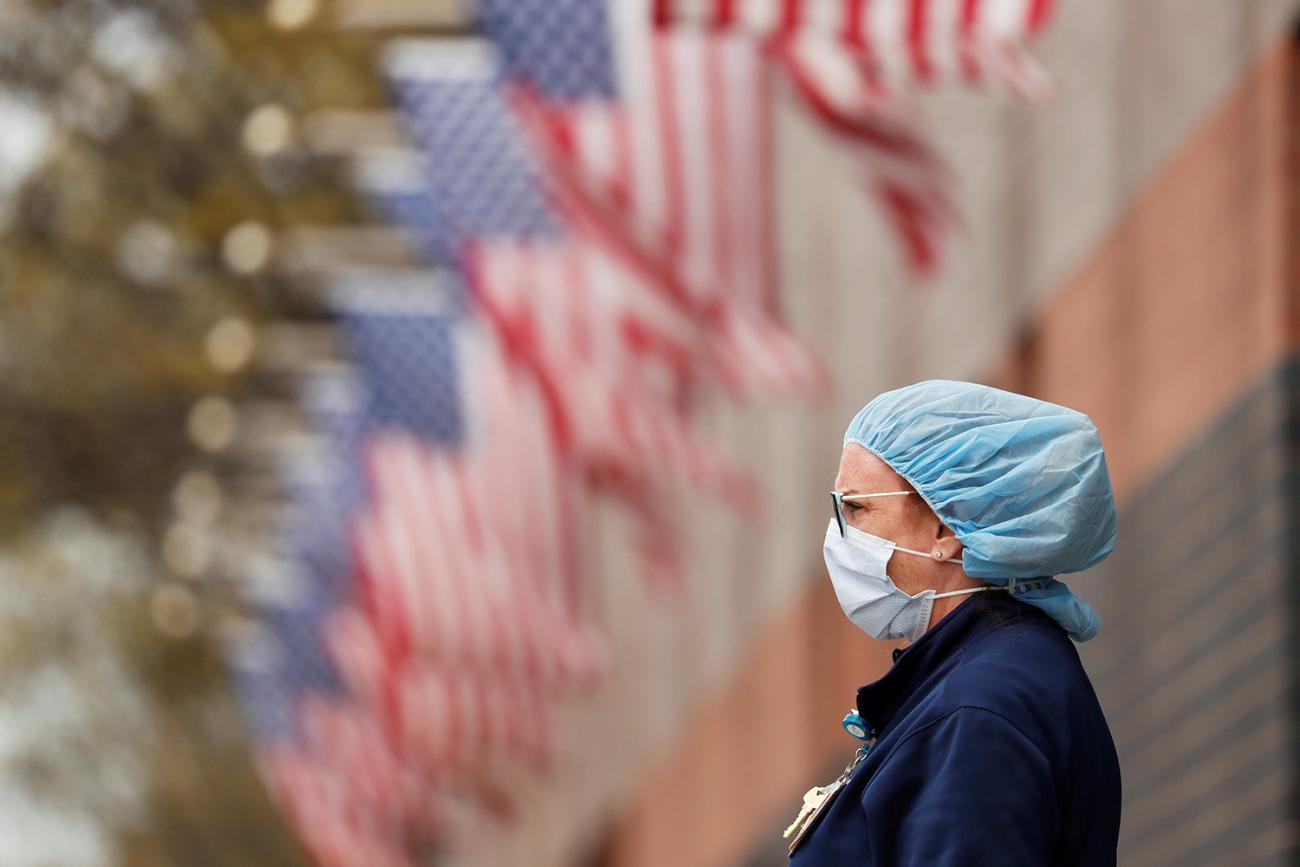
{"x":1196,"y":672}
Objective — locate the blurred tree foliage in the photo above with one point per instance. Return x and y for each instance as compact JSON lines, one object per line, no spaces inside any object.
{"x":112,"y":273}
{"x":111,"y":280}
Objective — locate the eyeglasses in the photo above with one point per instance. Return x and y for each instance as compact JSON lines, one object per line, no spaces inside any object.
{"x":838,"y":498}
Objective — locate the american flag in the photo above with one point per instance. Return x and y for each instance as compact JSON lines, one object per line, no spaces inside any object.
{"x":660,"y":172}
{"x":615,"y":360}
{"x":849,"y":60}
{"x":454,"y":568}
{"x":677,"y":172}
{"x":286,"y":677}
{"x":467,"y":603}
{"x":895,"y":43}
{"x":659,"y":147}
{"x":434,"y":607}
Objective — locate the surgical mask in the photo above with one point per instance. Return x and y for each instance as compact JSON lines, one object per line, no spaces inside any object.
{"x":856,"y":562}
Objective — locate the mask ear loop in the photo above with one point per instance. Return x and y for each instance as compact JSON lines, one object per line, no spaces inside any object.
{"x":933,"y":556}
{"x":1011,"y":583}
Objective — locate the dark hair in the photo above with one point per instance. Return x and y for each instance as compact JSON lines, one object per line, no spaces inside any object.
{"x":997,"y":605}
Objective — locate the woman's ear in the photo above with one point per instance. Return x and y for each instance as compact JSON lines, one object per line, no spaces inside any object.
{"x":945,"y":545}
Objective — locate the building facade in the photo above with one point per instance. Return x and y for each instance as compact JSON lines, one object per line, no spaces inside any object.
{"x":1133,"y":252}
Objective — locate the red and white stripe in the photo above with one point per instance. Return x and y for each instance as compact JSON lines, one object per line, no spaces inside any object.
{"x":900,"y":42}
{"x":355,"y":799}
{"x":615,"y":361}
{"x":465,"y":618}
{"x":326,"y":798}
{"x":848,"y":59}
{"x":455,"y":723}
{"x":351,"y":742}
{"x":676,"y":178}
{"x":908,"y":178}
{"x":446,"y":719}
{"x":463,"y":553}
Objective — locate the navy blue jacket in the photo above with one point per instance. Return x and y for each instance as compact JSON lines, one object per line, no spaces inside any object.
{"x":991,"y":750}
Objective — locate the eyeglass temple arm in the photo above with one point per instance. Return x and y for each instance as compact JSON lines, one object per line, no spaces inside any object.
{"x":865,"y":496}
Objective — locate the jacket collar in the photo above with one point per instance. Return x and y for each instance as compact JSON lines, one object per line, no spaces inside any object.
{"x":928,"y":657}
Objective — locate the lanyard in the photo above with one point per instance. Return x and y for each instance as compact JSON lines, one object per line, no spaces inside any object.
{"x":816,"y":799}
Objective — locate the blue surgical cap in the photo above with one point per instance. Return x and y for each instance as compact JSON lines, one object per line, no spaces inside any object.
{"x":1021,"y":482}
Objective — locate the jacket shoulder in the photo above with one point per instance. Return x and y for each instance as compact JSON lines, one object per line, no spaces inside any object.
{"x":1027,"y":672}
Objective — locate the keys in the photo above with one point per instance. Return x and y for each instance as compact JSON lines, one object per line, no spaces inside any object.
{"x":812,"y":799}
{"x":806,"y":818}
{"x":816,"y":799}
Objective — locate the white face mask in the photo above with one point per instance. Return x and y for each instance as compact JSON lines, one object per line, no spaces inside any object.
{"x":856,"y":563}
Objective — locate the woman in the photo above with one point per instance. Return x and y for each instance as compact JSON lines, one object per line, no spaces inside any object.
{"x":984,"y":744}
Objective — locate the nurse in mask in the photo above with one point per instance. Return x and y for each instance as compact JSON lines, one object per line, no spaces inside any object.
{"x":954,"y":508}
